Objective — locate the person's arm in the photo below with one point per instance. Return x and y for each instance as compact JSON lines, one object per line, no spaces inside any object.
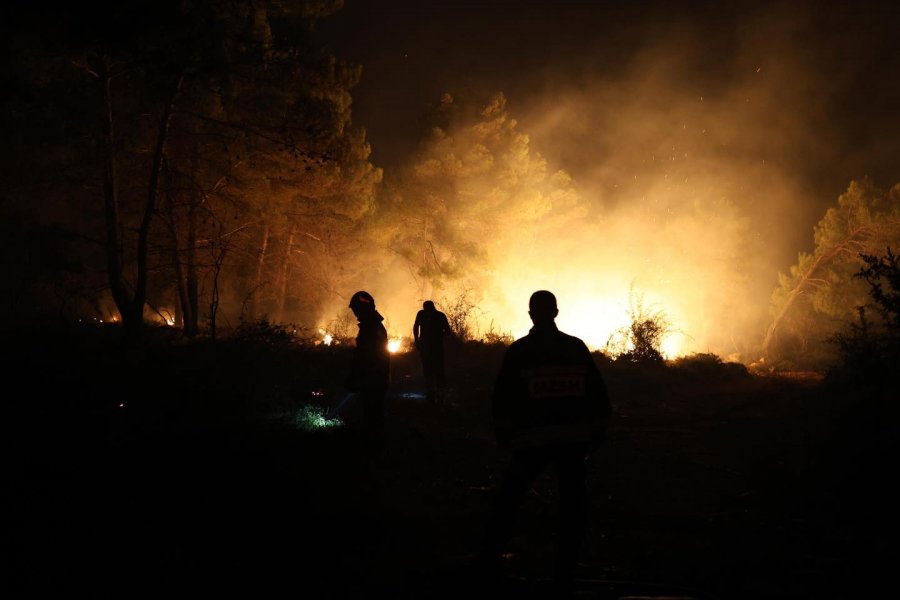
{"x":354,"y":380}
{"x":445,"y":325}
{"x":383,"y":359}
{"x":417,"y":328}
{"x":598,"y":397}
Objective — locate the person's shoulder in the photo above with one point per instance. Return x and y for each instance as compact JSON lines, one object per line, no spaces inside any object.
{"x":572,"y":340}
{"x":522,"y":344}
{"x":375,"y":326}
{"x":518,"y":345}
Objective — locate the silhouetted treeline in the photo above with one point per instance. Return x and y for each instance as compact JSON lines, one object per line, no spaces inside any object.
{"x":171,"y":159}
{"x":870,"y":347}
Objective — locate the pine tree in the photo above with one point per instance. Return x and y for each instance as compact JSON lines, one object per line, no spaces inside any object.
{"x":820,"y":289}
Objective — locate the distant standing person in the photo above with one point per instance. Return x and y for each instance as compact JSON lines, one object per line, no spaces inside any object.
{"x":550,"y":406}
{"x":429,"y":330}
{"x":371,"y":366}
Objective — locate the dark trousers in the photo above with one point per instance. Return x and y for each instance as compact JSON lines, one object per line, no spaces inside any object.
{"x":571,"y":472}
{"x":373,"y":413}
{"x":433,"y":366}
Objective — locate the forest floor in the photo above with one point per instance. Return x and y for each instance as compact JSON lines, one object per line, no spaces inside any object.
{"x":181,"y":469}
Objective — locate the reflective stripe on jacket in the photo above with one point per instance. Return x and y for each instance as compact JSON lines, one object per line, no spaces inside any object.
{"x":549,"y":391}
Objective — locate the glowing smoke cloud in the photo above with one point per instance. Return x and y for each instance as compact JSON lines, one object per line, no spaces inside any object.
{"x":683,"y":194}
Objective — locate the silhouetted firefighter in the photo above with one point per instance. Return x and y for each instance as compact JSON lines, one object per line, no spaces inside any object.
{"x":550,"y":406}
{"x":429,"y":330}
{"x":371,"y":366}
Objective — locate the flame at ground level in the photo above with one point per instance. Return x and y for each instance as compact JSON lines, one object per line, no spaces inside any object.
{"x":597,"y":307}
{"x":395,"y":344}
{"x":602,"y":322}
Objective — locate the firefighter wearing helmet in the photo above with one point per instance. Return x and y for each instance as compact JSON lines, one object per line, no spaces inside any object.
{"x":371,"y":364}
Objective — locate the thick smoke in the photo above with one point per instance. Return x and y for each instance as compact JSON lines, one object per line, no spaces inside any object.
{"x":697,"y":181}
{"x":693,"y":192}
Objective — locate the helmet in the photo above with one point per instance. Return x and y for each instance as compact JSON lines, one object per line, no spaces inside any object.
{"x":362,"y":300}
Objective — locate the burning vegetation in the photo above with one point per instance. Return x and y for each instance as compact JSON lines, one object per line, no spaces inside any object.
{"x":223,"y":181}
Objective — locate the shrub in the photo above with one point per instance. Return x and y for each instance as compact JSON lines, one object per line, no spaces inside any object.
{"x":343,"y":327}
{"x":313,"y":418}
{"x":870,"y":348}
{"x":708,"y":366}
{"x":460,"y":312}
{"x":263,"y":333}
{"x":642,"y":338}
{"x":496,"y":337}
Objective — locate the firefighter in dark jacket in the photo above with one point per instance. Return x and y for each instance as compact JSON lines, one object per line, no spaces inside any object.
{"x":371,"y":366}
{"x":550,"y":406}
{"x":429,"y":331}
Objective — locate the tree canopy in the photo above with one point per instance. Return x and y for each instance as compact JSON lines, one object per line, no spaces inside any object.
{"x":819,"y":292}
{"x":198,"y":149}
{"x":475,"y":189}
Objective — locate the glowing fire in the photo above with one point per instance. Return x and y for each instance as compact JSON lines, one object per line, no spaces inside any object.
{"x":602,"y":321}
{"x":394,"y":345}
{"x":327,"y":338}
{"x":166,"y":317}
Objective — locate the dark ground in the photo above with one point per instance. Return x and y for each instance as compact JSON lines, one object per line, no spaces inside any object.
{"x":179,"y":469}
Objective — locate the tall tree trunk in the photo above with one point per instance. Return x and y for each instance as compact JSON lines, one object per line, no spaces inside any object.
{"x":111,"y":199}
{"x":285,"y":271}
{"x":221,"y":250}
{"x":182,"y":311}
{"x":184,"y":308}
{"x":260,"y":263}
{"x":133,"y":319}
{"x":192,"y":327}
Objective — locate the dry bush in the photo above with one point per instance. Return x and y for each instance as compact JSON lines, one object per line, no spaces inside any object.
{"x":641,"y":340}
{"x":460,"y":311}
